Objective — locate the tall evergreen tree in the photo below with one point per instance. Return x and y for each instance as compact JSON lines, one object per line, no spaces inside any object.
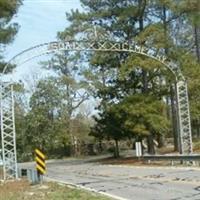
{"x":124,"y":20}
{"x":8,"y":8}
{"x":151,"y":23}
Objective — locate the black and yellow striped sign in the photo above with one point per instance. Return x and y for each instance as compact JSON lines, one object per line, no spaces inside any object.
{"x":40,"y":161}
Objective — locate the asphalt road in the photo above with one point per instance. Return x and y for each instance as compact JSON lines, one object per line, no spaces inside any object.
{"x":134,"y":183}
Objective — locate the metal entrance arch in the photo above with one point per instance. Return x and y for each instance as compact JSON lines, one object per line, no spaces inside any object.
{"x":7,"y":101}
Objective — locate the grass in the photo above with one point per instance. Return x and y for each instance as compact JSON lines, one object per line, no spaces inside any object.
{"x":196,"y":145}
{"x":22,"y":190}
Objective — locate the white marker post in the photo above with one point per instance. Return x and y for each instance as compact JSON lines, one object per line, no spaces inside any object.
{"x":138,"y":148}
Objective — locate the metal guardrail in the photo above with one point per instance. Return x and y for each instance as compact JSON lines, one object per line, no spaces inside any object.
{"x":31,"y":174}
{"x":192,"y":157}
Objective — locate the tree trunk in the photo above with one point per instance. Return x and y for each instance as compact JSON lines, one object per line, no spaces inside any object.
{"x":116,"y":149}
{"x":100,"y":146}
{"x":161,"y":141}
{"x":198,"y":129}
{"x":151,"y":148}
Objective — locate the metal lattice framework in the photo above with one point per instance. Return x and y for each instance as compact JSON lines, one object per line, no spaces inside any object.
{"x":8,"y":132}
{"x":185,"y":135}
{"x":185,"y":138}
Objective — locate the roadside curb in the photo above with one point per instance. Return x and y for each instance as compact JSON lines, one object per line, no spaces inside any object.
{"x":72,"y":185}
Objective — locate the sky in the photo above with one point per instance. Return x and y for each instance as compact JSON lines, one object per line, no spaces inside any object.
{"x":39,"y":22}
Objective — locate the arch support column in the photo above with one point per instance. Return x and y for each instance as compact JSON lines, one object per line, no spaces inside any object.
{"x":185,"y":134}
{"x":8,"y":136}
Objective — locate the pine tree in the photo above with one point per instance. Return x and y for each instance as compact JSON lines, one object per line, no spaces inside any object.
{"x":151,"y":23}
{"x":8,"y":8}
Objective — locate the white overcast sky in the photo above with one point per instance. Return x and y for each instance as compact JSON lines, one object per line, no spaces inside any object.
{"x":39,"y":21}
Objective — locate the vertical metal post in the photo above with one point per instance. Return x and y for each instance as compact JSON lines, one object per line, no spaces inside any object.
{"x":8,"y":135}
{"x":14,"y":134}
{"x":185,"y":134}
{"x":2,"y":136}
{"x":180,"y":142}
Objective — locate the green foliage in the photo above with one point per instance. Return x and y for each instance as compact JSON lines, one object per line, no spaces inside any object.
{"x":133,"y":91}
{"x":51,"y":121}
{"x":146,"y":113}
{"x":41,"y":120}
{"x":136,"y":116}
{"x":124,"y":83}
